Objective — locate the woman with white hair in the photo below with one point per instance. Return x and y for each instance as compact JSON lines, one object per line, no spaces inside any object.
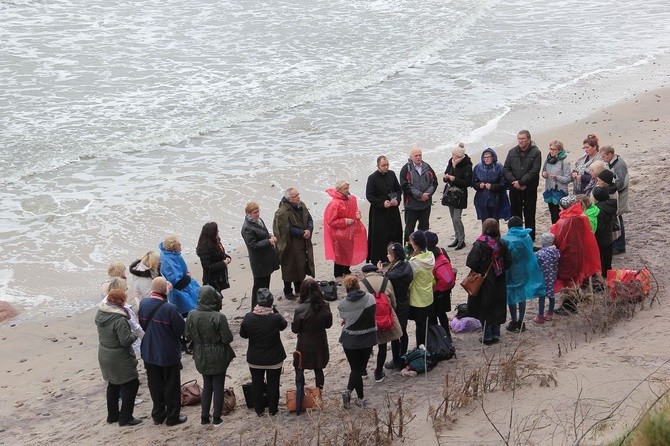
{"x":344,"y":235}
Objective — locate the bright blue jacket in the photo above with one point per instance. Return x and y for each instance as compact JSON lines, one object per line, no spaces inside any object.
{"x":525,"y":280}
{"x":174,"y":269}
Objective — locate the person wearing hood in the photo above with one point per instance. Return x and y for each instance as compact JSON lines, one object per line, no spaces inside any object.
{"x":213,"y":257}
{"x":580,"y":258}
{"x":489,"y":257}
{"x":359,"y":335}
{"x":384,"y":224}
{"x":262,"y":248}
{"x":488,"y":180}
{"x":524,"y":280}
{"x":344,"y":235}
{"x":293,"y":226}
{"x":163,"y":327}
{"x":556,"y":173}
{"x":548,"y":258}
{"x":458,"y":176}
{"x":522,"y":170}
{"x":184,"y":292}
{"x":418,"y":183}
{"x":607,"y":205}
{"x":208,"y":328}
{"x":400,"y":274}
{"x":265,"y":352}
{"x":422,"y":262}
{"x":144,"y":270}
{"x":618,"y":166}
{"x":117,"y":361}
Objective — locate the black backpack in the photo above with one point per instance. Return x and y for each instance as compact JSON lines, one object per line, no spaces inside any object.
{"x":438,"y":343}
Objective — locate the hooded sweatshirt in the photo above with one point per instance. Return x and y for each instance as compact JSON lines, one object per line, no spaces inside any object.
{"x":360,"y":327}
{"x":421,"y":288}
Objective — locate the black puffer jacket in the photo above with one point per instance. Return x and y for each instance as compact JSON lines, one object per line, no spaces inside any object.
{"x":463,"y":173}
{"x":265,"y":346}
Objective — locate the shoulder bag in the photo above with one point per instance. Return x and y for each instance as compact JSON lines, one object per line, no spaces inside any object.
{"x":473,"y":282}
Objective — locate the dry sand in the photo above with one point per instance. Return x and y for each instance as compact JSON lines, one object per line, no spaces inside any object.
{"x":53,"y":393}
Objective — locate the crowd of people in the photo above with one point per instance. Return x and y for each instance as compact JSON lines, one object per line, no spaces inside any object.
{"x":407,"y":276}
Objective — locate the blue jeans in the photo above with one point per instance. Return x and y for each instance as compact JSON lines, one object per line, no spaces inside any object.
{"x":491,"y":331}
{"x":540,"y":305}
{"x":522,"y":311}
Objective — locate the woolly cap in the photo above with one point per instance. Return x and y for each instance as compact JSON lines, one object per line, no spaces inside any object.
{"x":607,"y":176}
{"x":568,"y":201}
{"x":600,"y":194}
{"x":547,"y":239}
{"x":514,"y":221}
{"x":264,"y":297}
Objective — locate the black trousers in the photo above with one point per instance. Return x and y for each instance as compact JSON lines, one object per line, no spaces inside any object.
{"x":412,"y":217}
{"x":523,"y":204}
{"x":319,"y":377}
{"x":554,"y":211}
{"x":129,"y":392}
{"x":358,"y":361}
{"x":164,"y":386}
{"x":287,"y":287}
{"x":381,"y":359}
{"x":212,"y":387}
{"x":399,"y":346}
{"x":259,"y":282}
{"x":258,"y":378}
{"x":605,"y":259}
{"x":341,"y":270}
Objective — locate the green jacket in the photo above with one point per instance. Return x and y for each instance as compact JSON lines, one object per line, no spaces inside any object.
{"x":115,"y":354}
{"x":208,"y":328}
{"x":421,"y":287}
{"x":592,"y":212}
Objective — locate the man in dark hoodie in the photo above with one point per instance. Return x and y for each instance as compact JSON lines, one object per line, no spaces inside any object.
{"x":606,"y":217}
{"x":161,"y":351}
{"x":522,"y":171}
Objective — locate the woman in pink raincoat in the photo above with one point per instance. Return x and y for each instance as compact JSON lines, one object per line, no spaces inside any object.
{"x":344,"y":235}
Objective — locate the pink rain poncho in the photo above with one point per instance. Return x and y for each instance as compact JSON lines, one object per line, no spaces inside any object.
{"x":344,"y":244}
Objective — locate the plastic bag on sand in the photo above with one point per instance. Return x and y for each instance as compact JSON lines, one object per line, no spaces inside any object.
{"x":465,"y":324}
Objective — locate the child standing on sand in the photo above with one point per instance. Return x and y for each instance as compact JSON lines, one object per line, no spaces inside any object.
{"x":547,"y":258}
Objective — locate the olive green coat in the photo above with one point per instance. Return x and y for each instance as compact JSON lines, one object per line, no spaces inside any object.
{"x":208,"y":328}
{"x":115,"y":354}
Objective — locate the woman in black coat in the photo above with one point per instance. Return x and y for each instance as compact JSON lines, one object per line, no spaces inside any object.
{"x":213,"y":258}
{"x":458,"y":176}
{"x":384,"y":224}
{"x":265,"y":354}
{"x":263,"y":257}
{"x":310,"y":321}
{"x":490,"y":257}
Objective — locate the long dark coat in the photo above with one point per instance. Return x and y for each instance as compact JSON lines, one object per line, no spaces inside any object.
{"x":463,"y":173}
{"x":311,"y":328}
{"x":384,"y":224}
{"x":296,"y":255}
{"x":490,"y":305}
{"x":214,"y":268}
{"x":262,"y":255}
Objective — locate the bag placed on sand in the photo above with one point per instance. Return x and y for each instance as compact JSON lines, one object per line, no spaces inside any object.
{"x":190,"y":393}
{"x":418,"y":360}
{"x":329,"y":290}
{"x":311,"y":399}
{"x":229,"y":401}
{"x":438,"y":343}
{"x":629,"y":284}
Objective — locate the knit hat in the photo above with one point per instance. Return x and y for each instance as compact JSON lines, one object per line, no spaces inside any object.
{"x":514,"y":221}
{"x":600,"y":194}
{"x":398,"y":251}
{"x":368,"y":268}
{"x":568,"y":201}
{"x":607,"y":176}
{"x":431,"y":240}
{"x":264,"y":297}
{"x":419,"y":239}
{"x":547,"y":239}
{"x":458,"y":151}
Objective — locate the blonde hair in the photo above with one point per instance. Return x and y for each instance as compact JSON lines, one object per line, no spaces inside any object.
{"x":351,"y":283}
{"x":117,"y":283}
{"x":116,"y":269}
{"x":341,"y":184}
{"x":170,"y":242}
{"x":151,"y":260}
{"x":250,"y":207}
{"x":597,"y":167}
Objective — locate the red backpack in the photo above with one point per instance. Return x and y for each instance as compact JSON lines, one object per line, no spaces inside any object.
{"x":384,"y":312}
{"x":443,"y":272}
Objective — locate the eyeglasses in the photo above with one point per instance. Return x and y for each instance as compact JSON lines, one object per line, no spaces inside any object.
{"x":488,"y":156}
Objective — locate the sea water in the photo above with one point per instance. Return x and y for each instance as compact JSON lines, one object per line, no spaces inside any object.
{"x":122,"y":122}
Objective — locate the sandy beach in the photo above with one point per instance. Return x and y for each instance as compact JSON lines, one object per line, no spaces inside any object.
{"x":53,"y":392}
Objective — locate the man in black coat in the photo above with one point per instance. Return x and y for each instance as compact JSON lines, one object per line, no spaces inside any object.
{"x":522,"y":171}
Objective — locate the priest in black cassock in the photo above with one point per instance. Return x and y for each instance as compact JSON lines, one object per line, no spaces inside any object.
{"x":383,"y":192}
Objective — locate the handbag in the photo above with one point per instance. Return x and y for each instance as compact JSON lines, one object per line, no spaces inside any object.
{"x":473,"y":282}
{"x":311,"y":400}
{"x":329,"y":290}
{"x":452,"y":196}
{"x":229,"y":401}
{"x":190,"y":393}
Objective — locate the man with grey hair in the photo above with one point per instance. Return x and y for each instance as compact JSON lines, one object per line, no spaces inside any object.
{"x":418,"y":183}
{"x":293,"y":226}
{"x":618,"y":166}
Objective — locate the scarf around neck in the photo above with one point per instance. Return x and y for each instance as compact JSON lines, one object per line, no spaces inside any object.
{"x":496,"y":260}
{"x":554,"y":159}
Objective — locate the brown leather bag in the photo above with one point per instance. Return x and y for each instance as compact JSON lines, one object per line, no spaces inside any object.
{"x":312,"y":399}
{"x":229,"y":401}
{"x":473,"y":282}
{"x":190,"y":393}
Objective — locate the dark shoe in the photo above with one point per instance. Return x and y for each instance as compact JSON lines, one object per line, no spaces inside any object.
{"x":487,"y":341}
{"x":260,"y":414}
{"x":204,"y":420}
{"x":496,"y":340}
{"x":380,"y":377}
{"x":289,"y":296}
{"x":512,"y":327}
{"x":453,"y":244}
{"x":561,"y":311}
{"x":217,"y":422}
{"x":522,"y":326}
{"x":460,"y":245}
{"x":131,"y":422}
{"x":159,"y":421}
{"x":392,"y":366}
{"x":180,"y":420}
{"x":346,"y":399}
{"x":618,"y":251}
{"x":112,"y":420}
